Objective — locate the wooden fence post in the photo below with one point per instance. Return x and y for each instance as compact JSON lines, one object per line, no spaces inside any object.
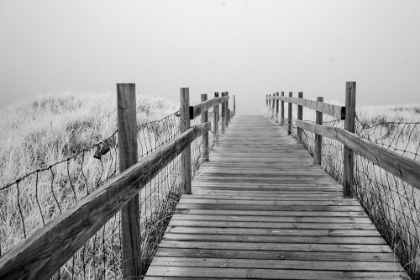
{"x":130,"y":213}
{"x":299,"y":117}
{"x":227,"y":108}
{"x":318,"y":138}
{"x":224,"y":114}
{"x":282,"y":111}
{"x":266,"y":100}
{"x":216,"y":119}
{"x":273,"y":107}
{"x":234,"y":106}
{"x":289,"y":115}
{"x":205,"y":136}
{"x":277,"y":108}
{"x":186,"y":154}
{"x":349,"y":125}
{"x":228,"y":115}
{"x":269,"y":104}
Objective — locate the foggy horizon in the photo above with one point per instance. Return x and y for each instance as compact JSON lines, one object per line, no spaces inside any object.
{"x":248,"y":48}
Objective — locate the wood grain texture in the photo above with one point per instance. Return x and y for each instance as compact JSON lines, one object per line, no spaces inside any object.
{"x":273,"y":109}
{"x":216,"y":112}
{"x":299,"y":117}
{"x":205,"y":137}
{"x":130,"y":213}
{"x":43,"y":253}
{"x":398,"y":165}
{"x":227,"y":110}
{"x":349,"y":125}
{"x":186,"y":172}
{"x":224,"y":113}
{"x":318,"y":137}
{"x":205,"y":105}
{"x":289,"y":116}
{"x":329,"y":109}
{"x":262,"y":209}
{"x":282,"y":110}
{"x":277,"y":108}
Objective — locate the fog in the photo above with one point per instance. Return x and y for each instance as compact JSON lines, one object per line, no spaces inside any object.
{"x":249,"y":48}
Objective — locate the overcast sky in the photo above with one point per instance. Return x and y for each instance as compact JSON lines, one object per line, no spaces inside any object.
{"x":247,"y":47}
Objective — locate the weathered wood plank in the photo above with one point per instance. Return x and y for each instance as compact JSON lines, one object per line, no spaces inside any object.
{"x":285,"y":264}
{"x":245,"y":273}
{"x":260,"y":213}
{"x":277,"y":232}
{"x":270,"y":225}
{"x":315,"y":239}
{"x":278,"y":255}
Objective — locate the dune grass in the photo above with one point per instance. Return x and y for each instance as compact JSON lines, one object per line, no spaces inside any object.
{"x":55,"y":138}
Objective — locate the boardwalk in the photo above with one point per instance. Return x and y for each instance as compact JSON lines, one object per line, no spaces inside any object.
{"x":260,"y":209}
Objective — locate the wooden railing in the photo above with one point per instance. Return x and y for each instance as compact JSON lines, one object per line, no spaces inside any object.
{"x":50,"y":247}
{"x":398,"y":165}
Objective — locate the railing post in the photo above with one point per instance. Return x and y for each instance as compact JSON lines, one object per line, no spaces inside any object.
{"x":205,"y":136}
{"x":318,"y":138}
{"x":266,"y":100}
{"x":299,"y":117}
{"x":277,"y":108}
{"x":216,"y":119}
{"x":234,"y":107}
{"x":130,"y":213}
{"x":289,"y":115}
{"x":224,"y":114}
{"x":349,"y":125}
{"x":228,"y":115}
{"x":273,"y":109}
{"x":186,"y":154}
{"x":227,"y":111}
{"x":269,"y":103}
{"x":282,"y":110}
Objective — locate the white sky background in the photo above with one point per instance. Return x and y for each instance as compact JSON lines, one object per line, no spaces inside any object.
{"x":247,"y":47}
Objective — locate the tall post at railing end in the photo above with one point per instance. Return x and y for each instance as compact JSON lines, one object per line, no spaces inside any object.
{"x":299,"y":117}
{"x":349,"y":125}
{"x":289,"y":115}
{"x":205,"y":136}
{"x":186,"y":173}
{"x":277,"y":108}
{"x":318,"y":138}
{"x":282,"y":110}
{"x":130,"y":213}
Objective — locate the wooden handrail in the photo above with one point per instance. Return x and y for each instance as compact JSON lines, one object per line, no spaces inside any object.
{"x":398,"y":165}
{"x":49,"y":248}
{"x":336,"y":111}
{"x":196,"y":110}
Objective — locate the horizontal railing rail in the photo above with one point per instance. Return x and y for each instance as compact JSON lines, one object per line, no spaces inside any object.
{"x":398,"y":165}
{"x":198,"y":109}
{"x":336,"y":111}
{"x":43,"y":253}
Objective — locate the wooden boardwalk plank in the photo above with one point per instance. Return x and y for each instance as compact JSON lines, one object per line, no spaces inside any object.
{"x":261,"y":209}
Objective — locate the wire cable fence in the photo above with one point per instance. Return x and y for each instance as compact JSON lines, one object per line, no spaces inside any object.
{"x":38,"y":197}
{"x":391,"y":204}
{"x":157,"y":202}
